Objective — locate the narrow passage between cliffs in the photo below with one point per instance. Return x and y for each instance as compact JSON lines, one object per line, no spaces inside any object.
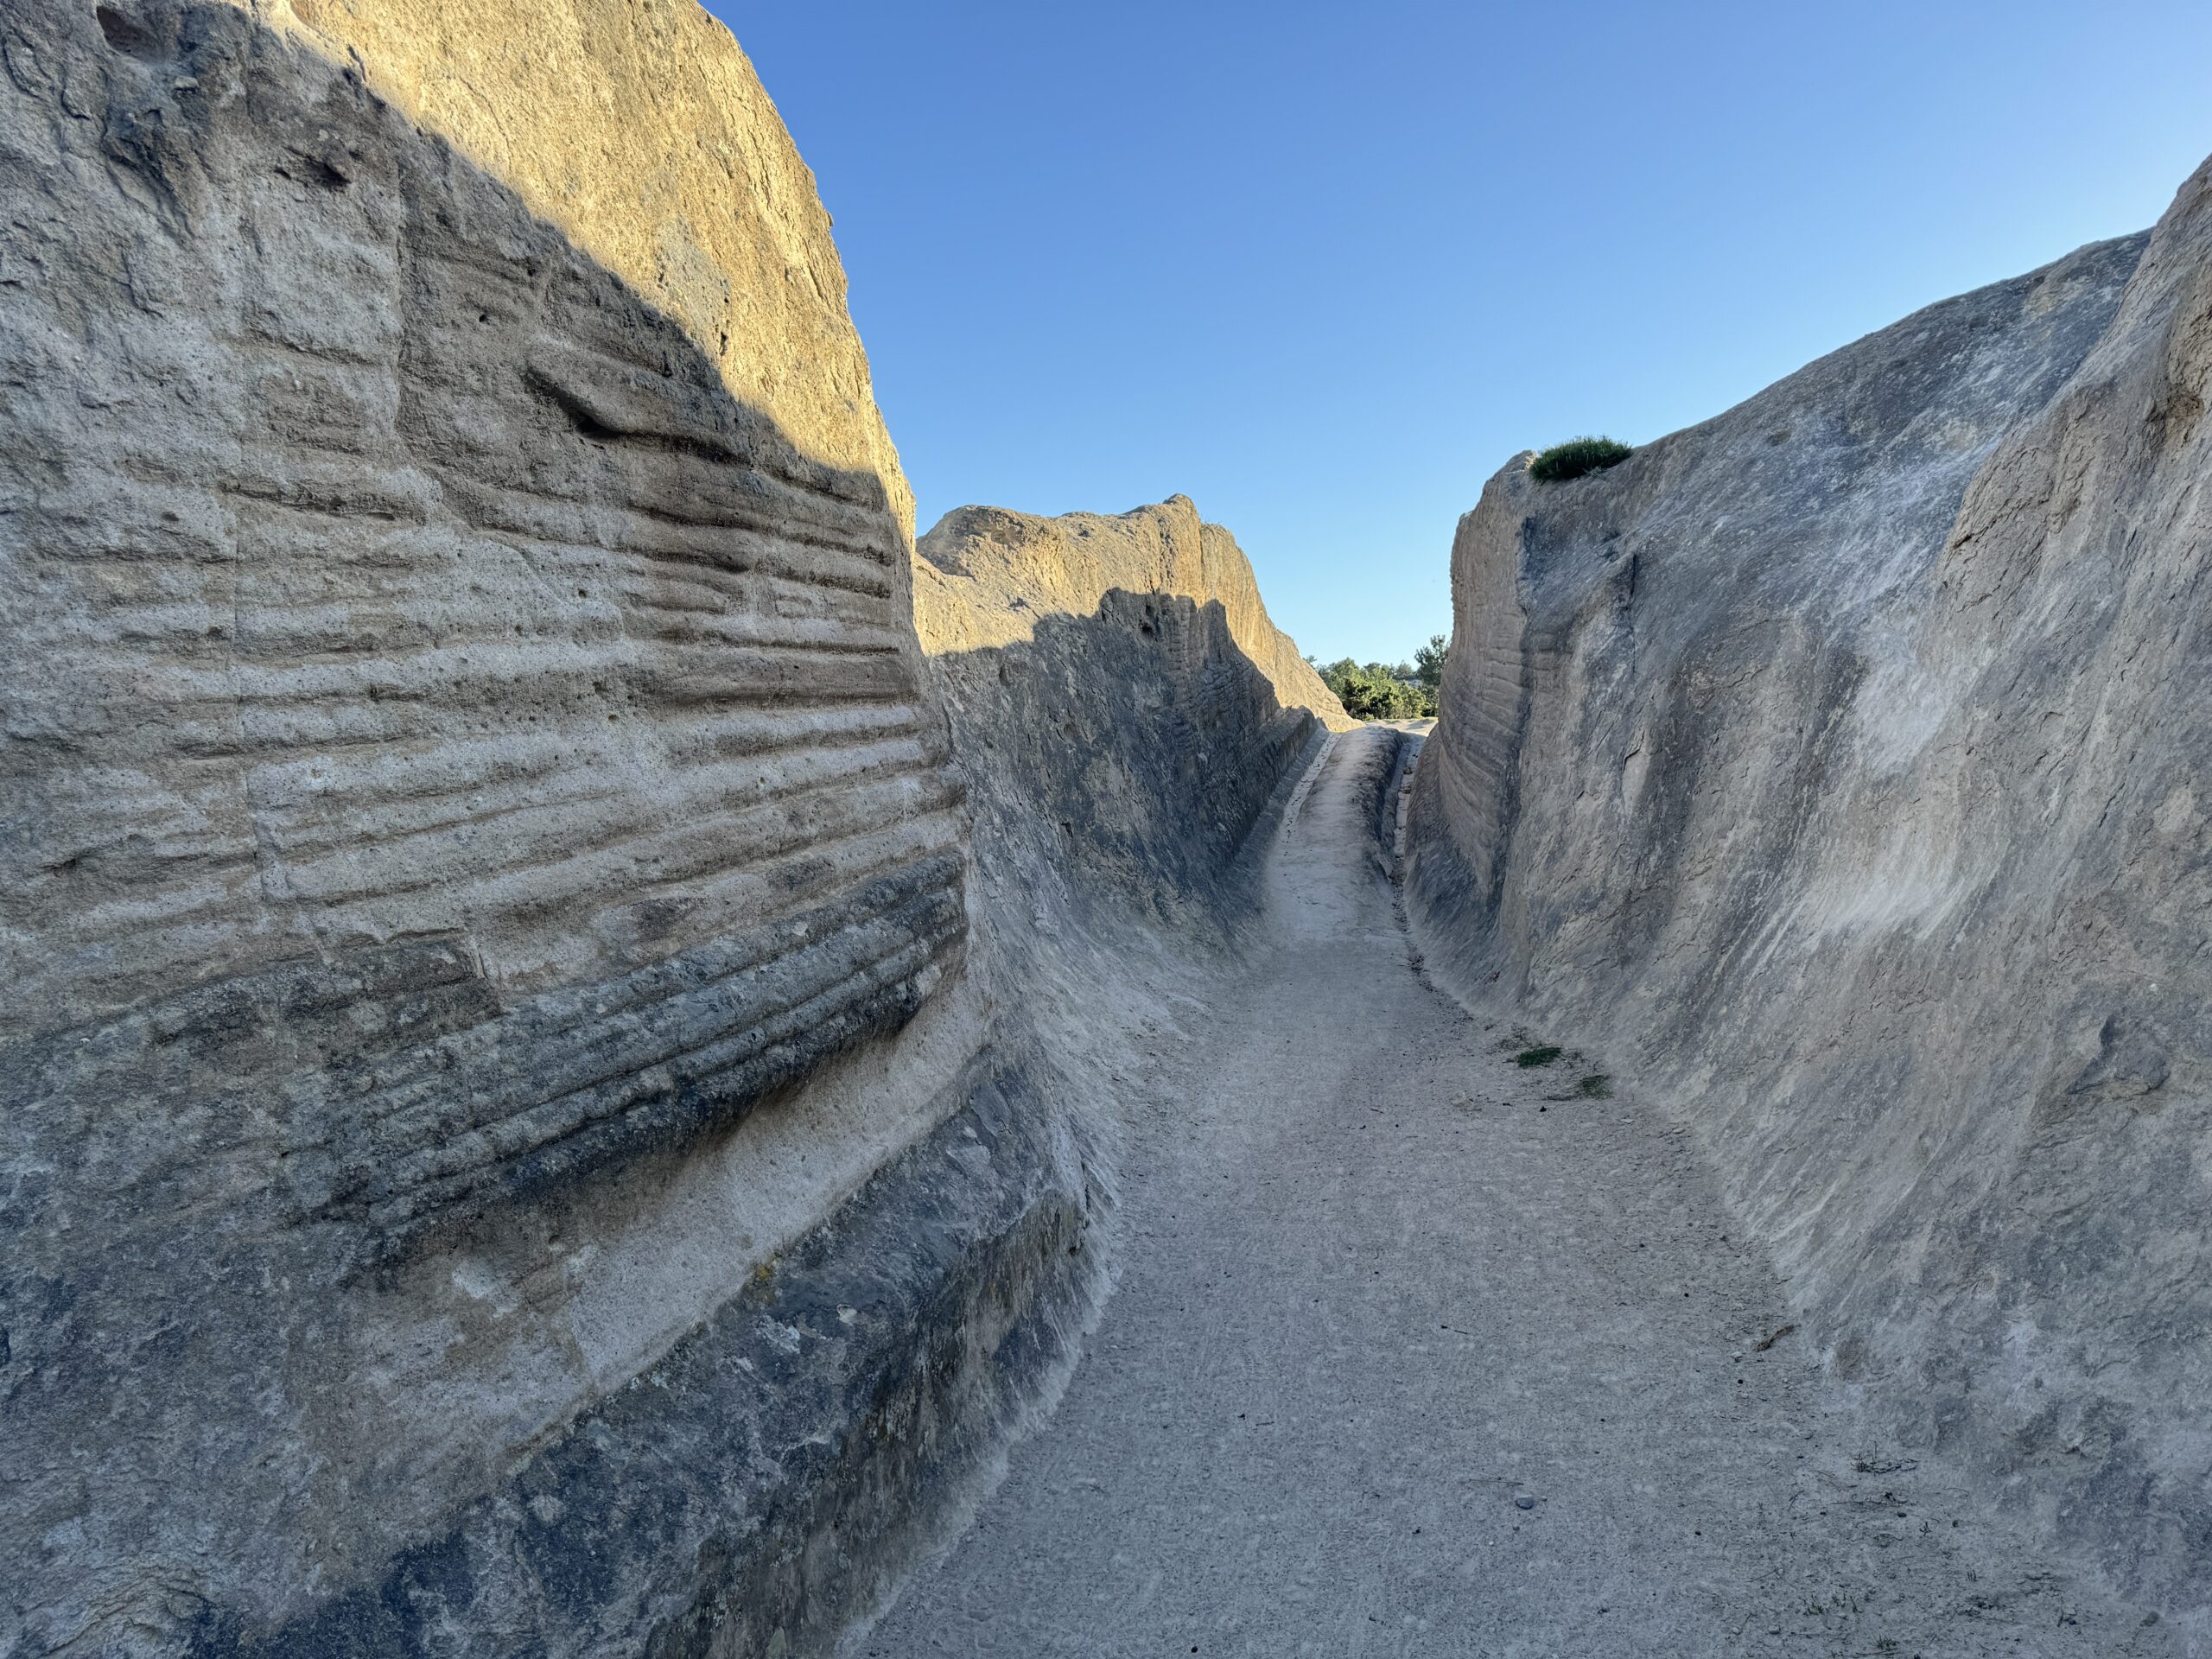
{"x":1418,"y":1350}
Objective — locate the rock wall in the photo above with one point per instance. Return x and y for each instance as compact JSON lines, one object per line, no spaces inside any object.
{"x":1122,"y":705}
{"x":1837,"y":765}
{"x":466,"y":750}
{"x":518,"y":1131}
{"x":642,"y":132}
{"x":989,"y":577}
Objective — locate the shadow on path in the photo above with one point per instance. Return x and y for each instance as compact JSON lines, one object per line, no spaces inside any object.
{"x":1410,"y":1355}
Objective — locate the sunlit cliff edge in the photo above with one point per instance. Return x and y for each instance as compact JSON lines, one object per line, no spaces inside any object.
{"x":1836,"y":766}
{"x":642,"y":131}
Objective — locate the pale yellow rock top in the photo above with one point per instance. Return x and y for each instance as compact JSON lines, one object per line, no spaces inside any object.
{"x":984,"y":576}
{"x":640,"y":129}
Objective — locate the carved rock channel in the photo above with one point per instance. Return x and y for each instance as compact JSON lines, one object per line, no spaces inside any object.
{"x":592,"y":1022}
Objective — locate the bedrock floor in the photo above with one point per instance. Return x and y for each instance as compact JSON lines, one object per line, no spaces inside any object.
{"x":1408,"y":1357}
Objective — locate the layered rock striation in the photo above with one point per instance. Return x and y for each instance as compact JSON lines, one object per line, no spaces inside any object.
{"x":518,"y":1132}
{"x":1837,"y":765}
{"x":465,"y":752}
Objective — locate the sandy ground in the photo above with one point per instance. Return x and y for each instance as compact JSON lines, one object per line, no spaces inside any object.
{"x":1411,"y":1355}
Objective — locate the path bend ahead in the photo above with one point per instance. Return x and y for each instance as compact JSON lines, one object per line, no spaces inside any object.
{"x":1406,"y":1358}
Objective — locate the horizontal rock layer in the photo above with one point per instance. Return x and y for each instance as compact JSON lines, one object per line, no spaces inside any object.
{"x":1837,"y":765}
{"x":520,"y":1131}
{"x":757,"y":1488}
{"x":380,"y":570}
{"x":461,"y":753}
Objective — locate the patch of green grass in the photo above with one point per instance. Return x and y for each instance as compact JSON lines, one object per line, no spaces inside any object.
{"x":1575,"y":457}
{"x":1542,"y":1054}
{"x":1595,"y":1086}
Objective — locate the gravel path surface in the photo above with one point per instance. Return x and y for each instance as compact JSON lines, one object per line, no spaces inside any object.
{"x":1410,"y":1355}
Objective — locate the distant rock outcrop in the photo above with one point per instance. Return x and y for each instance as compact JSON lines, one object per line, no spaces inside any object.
{"x":1123,"y":706}
{"x":989,"y":576}
{"x":1839,"y":765}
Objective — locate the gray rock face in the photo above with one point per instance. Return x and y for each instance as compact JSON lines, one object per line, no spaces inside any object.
{"x":1838,"y":765}
{"x":520,"y":1129}
{"x":459,"y":761}
{"x":436,"y":640}
{"x":1121,"y":706}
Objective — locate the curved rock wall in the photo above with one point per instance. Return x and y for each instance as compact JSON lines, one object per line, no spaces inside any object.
{"x":1837,"y":765}
{"x":520,"y":1129}
{"x":466,"y":749}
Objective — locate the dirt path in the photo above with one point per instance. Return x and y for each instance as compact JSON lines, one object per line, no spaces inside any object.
{"x":1408,"y":1359}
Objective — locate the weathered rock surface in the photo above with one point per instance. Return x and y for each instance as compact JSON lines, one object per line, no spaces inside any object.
{"x":1838,"y":766}
{"x":642,"y":132}
{"x":990,"y":577}
{"x":519,"y":1131}
{"x":1121,"y":706}
{"x":461,"y":759}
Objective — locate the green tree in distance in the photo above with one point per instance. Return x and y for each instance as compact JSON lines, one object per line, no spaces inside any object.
{"x":1380,"y":690}
{"x":1429,"y":665}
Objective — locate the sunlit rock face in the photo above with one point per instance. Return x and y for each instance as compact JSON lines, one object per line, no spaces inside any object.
{"x":1838,"y":766}
{"x":465,"y":751}
{"x":988,"y":577}
{"x":1123,"y":708}
{"x":643,"y":133}
{"x":521,"y":1131}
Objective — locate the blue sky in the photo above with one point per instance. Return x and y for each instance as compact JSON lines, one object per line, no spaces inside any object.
{"x":1324,"y":269}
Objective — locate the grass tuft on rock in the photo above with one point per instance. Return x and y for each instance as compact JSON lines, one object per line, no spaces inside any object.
{"x":1575,"y":457}
{"x":1542,"y":1054}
